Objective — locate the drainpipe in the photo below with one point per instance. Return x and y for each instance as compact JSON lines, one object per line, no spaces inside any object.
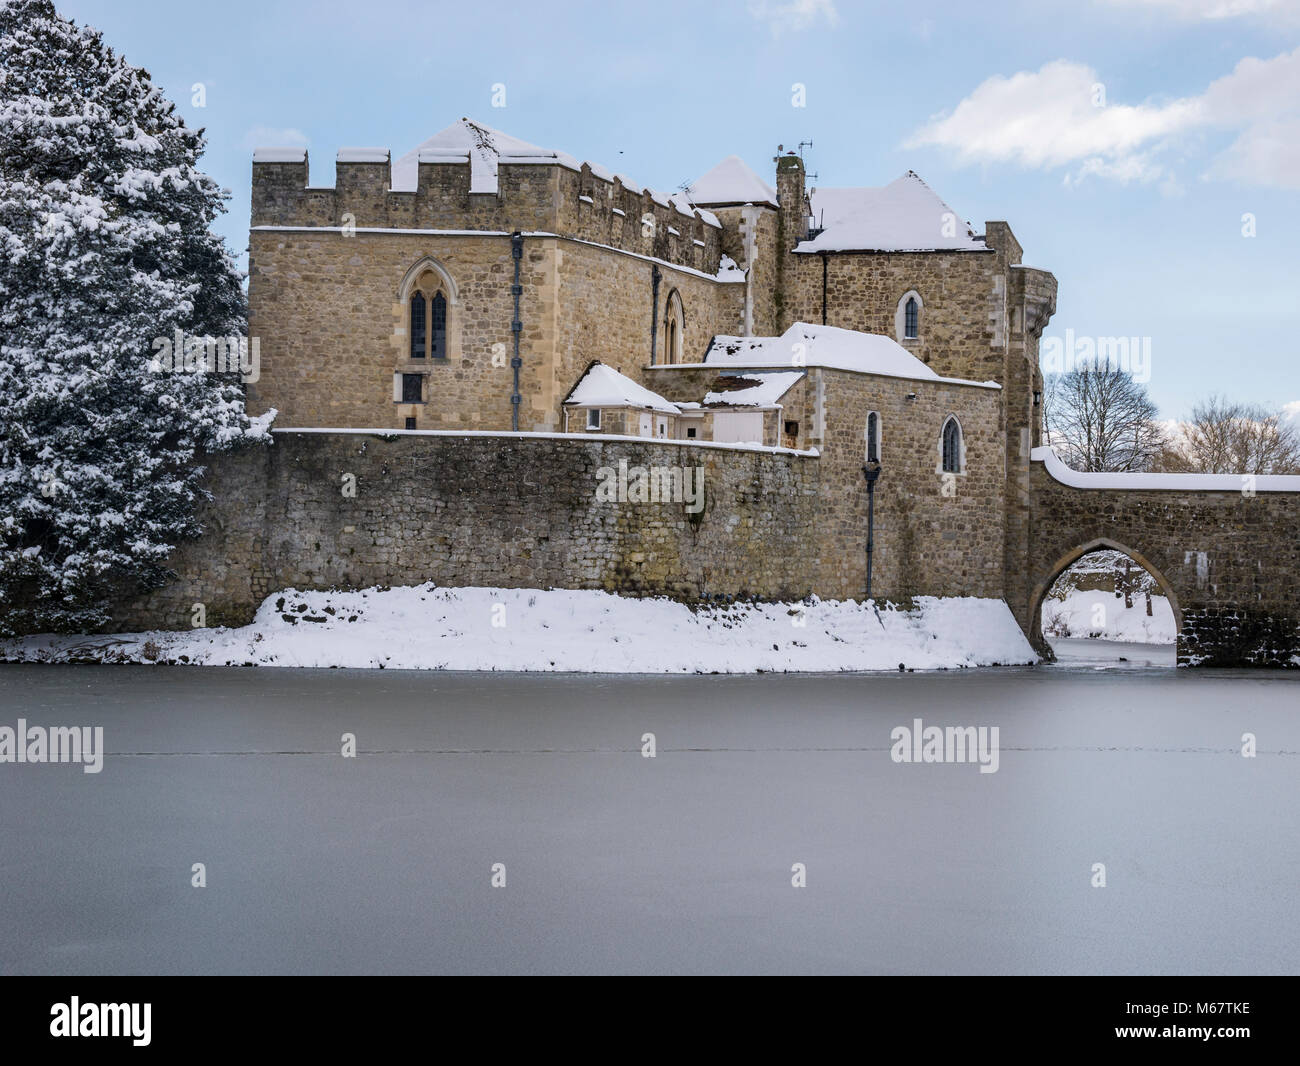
{"x":823,"y":288}
{"x":654,"y":311}
{"x":516,"y":326}
{"x":871,"y":471}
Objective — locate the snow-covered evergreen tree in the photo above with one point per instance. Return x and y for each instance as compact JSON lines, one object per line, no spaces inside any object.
{"x":105,"y":247}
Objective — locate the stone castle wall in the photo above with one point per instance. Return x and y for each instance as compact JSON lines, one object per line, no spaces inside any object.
{"x":327,"y":312}
{"x":606,"y":305}
{"x":531,"y":197}
{"x":492,"y":510}
{"x":962,"y":296}
{"x":934,"y":535}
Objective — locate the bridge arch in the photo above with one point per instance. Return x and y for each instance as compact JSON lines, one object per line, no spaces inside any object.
{"x":1221,"y":548}
{"x":1069,"y":558}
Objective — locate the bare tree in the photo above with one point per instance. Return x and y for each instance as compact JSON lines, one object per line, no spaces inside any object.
{"x":1099,"y":418}
{"x":1228,"y":437}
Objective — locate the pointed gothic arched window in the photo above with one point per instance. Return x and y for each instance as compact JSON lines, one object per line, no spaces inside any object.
{"x":417,"y":325}
{"x":952,"y":448}
{"x":438,"y":330}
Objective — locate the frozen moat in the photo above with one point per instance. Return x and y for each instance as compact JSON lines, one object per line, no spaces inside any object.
{"x":615,"y":862}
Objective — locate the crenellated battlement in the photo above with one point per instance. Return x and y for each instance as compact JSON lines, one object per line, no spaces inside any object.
{"x":455,"y":189}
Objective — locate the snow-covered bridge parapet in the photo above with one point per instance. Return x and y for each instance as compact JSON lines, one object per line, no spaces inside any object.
{"x":1224,"y":548}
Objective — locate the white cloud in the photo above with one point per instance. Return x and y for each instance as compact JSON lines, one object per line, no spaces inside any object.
{"x":1216,"y":9}
{"x":1049,"y":118}
{"x":1292,"y":410}
{"x":1268,"y":153}
{"x":271,"y":137}
{"x":793,"y":15}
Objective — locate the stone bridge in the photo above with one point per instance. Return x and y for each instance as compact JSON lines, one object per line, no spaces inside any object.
{"x":1225,"y":549}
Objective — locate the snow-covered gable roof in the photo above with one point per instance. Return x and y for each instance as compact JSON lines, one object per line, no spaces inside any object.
{"x":904,"y":216}
{"x":826,"y":346}
{"x":485,"y":149}
{"x":603,"y":386}
{"x":752,"y":388}
{"x":733,"y":181}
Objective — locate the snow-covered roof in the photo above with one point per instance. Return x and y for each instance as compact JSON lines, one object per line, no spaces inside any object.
{"x":752,"y":388}
{"x":904,"y":216}
{"x":733,"y":181}
{"x":486,"y":149}
{"x":824,"y":346}
{"x":603,"y":386}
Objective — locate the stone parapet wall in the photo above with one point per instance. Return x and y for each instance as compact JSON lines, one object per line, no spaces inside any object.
{"x":530,"y":197}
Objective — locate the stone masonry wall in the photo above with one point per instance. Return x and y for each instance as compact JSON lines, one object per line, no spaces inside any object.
{"x":962,"y":293}
{"x":488,"y":510}
{"x":933,"y":535}
{"x":606,"y":306}
{"x":1227,"y":560}
{"x":325,"y":308}
{"x":531,"y":197}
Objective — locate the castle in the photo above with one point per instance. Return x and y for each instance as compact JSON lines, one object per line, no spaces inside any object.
{"x":498,"y":366}
{"x":481,"y":283}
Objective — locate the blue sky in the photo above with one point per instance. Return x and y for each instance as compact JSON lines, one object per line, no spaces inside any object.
{"x":1134,"y":197}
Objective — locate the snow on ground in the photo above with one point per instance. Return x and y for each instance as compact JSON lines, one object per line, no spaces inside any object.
{"x":425,"y":627}
{"x":1103,"y":614}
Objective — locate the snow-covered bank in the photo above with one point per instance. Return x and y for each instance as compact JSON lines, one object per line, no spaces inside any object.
{"x":429,"y":628}
{"x":1102,"y":614}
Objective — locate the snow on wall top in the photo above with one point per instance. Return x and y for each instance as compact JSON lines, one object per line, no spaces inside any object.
{"x":727,"y":268}
{"x":733,"y":181}
{"x":486,"y":149}
{"x":279,"y":155}
{"x":362,"y":155}
{"x":1078,"y":479}
{"x":603,"y":386}
{"x":763,"y":390}
{"x":904,"y":216}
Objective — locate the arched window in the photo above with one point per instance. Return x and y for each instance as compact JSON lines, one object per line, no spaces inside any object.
{"x":674,"y":328}
{"x":953,"y":459}
{"x":417,"y":325}
{"x":873,"y":437}
{"x":438,"y":332}
{"x":907,"y":316}
{"x":427,"y":317}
